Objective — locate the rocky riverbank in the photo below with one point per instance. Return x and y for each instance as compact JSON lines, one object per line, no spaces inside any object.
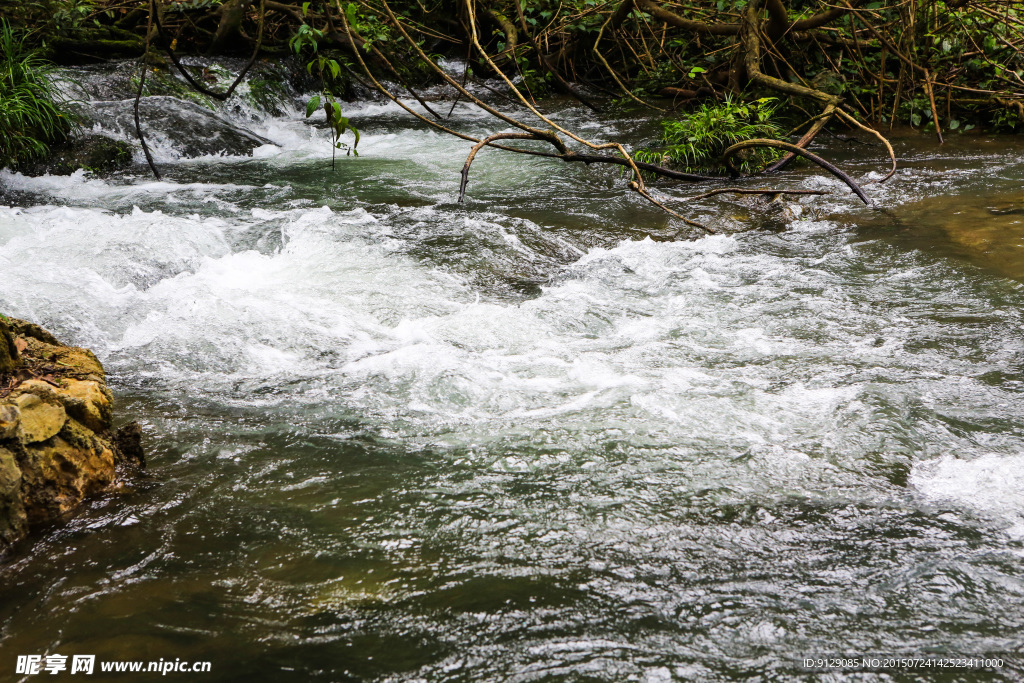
{"x":57,"y":442}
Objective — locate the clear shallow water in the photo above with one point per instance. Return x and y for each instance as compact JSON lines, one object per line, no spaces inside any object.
{"x":396,"y":439}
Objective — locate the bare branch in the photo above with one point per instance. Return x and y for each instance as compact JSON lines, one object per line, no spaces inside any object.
{"x":810,"y":156}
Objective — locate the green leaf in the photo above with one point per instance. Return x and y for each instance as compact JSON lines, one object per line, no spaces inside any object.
{"x":954,"y":124}
{"x":312,"y":105}
{"x":305,"y":8}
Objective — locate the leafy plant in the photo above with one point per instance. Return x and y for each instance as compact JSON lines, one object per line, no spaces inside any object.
{"x":369,"y":27}
{"x":31,"y":113}
{"x":71,"y":14}
{"x":695,"y":141}
{"x":308,"y":37}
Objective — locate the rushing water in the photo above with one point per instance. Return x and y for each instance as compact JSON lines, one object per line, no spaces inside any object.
{"x":395,"y":438}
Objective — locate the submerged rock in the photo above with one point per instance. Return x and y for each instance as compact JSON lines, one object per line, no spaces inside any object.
{"x":94,"y":153}
{"x":185,"y":127}
{"x":57,"y":445}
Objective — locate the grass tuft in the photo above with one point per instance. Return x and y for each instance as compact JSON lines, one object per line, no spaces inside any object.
{"x":32,"y":116}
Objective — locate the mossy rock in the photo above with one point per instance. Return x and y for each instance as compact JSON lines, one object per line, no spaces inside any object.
{"x":94,"y":153}
{"x":164,"y":82}
{"x":9,"y":358}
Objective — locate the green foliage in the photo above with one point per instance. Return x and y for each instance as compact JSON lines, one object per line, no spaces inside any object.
{"x":328,"y":70}
{"x":537,"y":81}
{"x":696,"y":140}
{"x":1005,"y":121}
{"x":31,"y":112}
{"x":72,"y":14}
{"x":367,"y":26}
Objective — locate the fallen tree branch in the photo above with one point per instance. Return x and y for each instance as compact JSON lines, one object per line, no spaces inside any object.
{"x":741,"y":190}
{"x":476,"y":148}
{"x":673,"y":19}
{"x":892,"y":154}
{"x":810,"y":156}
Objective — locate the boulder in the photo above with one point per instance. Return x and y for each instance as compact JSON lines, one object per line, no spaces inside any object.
{"x":94,"y":153}
{"x":59,"y":473}
{"x":57,"y":443}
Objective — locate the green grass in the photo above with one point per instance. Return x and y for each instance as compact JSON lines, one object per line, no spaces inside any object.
{"x":695,"y":141}
{"x":31,"y":113}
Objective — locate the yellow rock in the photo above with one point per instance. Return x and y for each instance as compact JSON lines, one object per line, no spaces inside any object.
{"x":40,"y":419}
{"x":88,"y":402}
{"x":10,"y":418}
{"x":12,"y":510}
{"x":58,"y":474}
{"x":56,"y":445}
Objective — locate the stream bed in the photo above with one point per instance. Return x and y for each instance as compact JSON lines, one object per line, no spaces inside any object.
{"x":396,"y":438}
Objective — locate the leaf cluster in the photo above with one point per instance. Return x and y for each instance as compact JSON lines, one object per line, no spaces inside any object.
{"x":695,"y":141}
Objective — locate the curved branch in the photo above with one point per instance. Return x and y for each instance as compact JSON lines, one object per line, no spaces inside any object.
{"x":892,"y":154}
{"x":478,"y":146}
{"x":188,"y":77}
{"x":741,"y":190}
{"x":823,"y":18}
{"x":788,"y":146}
{"x":752,"y":61}
{"x":673,"y":19}
{"x":506,"y":27}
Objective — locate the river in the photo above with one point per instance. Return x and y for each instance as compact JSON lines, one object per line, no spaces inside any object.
{"x":396,"y":438}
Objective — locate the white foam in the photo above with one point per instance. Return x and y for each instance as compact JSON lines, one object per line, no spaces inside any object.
{"x":990,"y":484}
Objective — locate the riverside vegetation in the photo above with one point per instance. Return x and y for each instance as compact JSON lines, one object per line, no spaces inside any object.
{"x":732,"y":72}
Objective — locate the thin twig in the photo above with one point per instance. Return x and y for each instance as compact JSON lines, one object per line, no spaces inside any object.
{"x":138,"y":95}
